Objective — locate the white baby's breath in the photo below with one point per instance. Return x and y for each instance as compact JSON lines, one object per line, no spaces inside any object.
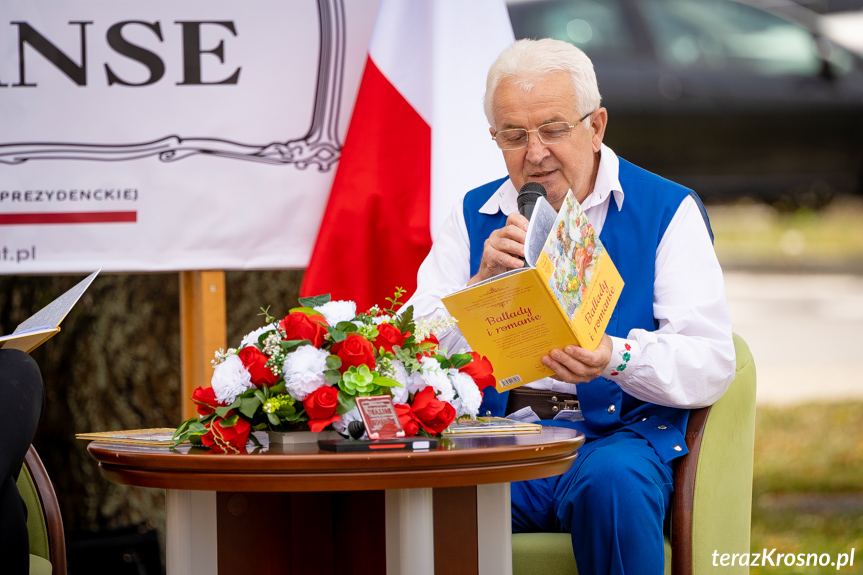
{"x":304,"y":371}
{"x":230,"y":379}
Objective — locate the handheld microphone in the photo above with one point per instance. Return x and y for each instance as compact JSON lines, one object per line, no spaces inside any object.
{"x":527,"y":197}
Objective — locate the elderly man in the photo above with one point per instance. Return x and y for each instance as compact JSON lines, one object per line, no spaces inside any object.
{"x":667,"y":347}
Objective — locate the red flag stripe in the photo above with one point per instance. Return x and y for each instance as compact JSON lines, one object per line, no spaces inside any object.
{"x":68,"y":218}
{"x":375,"y":231}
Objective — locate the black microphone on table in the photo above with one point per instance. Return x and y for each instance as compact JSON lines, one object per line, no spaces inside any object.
{"x":527,"y":196}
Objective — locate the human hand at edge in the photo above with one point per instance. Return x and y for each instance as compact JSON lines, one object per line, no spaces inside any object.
{"x":574,"y":364}
{"x":503,"y":249}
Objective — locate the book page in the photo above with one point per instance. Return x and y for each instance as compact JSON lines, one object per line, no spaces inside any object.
{"x":53,"y":313}
{"x":541,"y":224}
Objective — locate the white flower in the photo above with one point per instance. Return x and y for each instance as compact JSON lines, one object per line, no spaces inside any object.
{"x":342,"y":425}
{"x":230,"y":379}
{"x":379,"y":319}
{"x":469,"y":397}
{"x":336,"y":311}
{"x":400,"y":394}
{"x":304,"y":371}
{"x":252,"y":337}
{"x":431,"y":374}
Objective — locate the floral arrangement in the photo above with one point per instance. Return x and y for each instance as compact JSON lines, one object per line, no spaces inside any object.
{"x":305,"y":371}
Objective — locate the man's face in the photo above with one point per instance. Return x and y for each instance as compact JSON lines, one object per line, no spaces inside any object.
{"x":558,"y":167}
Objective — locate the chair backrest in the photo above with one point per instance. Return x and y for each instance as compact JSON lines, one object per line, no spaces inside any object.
{"x":712,"y":506}
{"x":47,"y":539}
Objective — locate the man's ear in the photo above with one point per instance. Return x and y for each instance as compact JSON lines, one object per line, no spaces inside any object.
{"x":598,"y":122}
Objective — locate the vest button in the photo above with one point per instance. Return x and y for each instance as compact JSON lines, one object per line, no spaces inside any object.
{"x":554,"y":398}
{"x":554,"y":408}
{"x":611,"y":408}
{"x":678,"y":448}
{"x":661,"y":427}
{"x":643,"y":419}
{"x":488,"y":413}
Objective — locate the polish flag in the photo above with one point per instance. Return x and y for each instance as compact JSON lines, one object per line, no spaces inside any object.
{"x":417,"y":141}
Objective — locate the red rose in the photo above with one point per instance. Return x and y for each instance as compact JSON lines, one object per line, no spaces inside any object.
{"x":407,"y":418}
{"x":433,"y":414}
{"x":354,"y":351}
{"x":432,"y":338}
{"x":231,"y":438}
{"x":480,"y":370}
{"x":301,"y":326}
{"x":321,"y":407}
{"x":256,"y":364}
{"x":205,"y":400}
{"x":389,"y":336}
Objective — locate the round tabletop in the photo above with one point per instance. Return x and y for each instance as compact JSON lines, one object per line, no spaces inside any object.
{"x":458,"y":461}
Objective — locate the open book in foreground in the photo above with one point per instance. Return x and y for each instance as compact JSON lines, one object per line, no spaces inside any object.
{"x":38,"y":328}
{"x":564,"y":295}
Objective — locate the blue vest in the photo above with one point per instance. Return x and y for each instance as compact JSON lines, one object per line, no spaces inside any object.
{"x":631,"y":236}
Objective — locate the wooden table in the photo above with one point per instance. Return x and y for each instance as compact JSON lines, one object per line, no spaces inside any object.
{"x":287,"y":509}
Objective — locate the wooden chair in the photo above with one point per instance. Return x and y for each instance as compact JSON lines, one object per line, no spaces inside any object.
{"x":712,"y":502}
{"x":47,"y":541}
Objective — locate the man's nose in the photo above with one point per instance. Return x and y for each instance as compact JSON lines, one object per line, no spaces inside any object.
{"x":536,"y":150}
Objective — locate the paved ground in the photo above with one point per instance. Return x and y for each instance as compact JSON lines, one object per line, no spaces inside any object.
{"x":805,"y":333}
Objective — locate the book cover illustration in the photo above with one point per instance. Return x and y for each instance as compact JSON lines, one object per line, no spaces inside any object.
{"x":573,"y":250}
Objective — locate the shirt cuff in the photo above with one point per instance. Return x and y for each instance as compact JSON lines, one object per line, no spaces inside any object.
{"x":625,"y":354}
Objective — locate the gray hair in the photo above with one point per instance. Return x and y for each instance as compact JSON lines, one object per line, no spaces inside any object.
{"x":526,"y":61}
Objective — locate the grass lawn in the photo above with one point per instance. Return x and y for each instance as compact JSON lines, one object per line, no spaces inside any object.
{"x":808,"y":483}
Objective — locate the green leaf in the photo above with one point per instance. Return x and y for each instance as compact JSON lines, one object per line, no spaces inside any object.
{"x":230,"y":421}
{"x":273,"y":419}
{"x":195,"y":440}
{"x":259,"y":427}
{"x":198,"y":427}
{"x":347,"y":326}
{"x":255,"y":439}
{"x":334,"y":362}
{"x":261,"y":394}
{"x":249,"y":406}
{"x":183,"y":427}
{"x":346,"y":403}
{"x":315,"y":301}
{"x":386,"y":382}
{"x":337,"y":334}
{"x":223,"y":411}
{"x":278,"y":388}
{"x":459,"y":360}
{"x":305,"y":310}
{"x":332,"y":376}
{"x":292,"y":343}
{"x":405,"y":319}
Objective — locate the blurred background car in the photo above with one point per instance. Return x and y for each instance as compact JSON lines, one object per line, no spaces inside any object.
{"x":726,"y":97}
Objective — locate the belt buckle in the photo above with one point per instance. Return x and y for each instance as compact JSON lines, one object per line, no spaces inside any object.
{"x":571,"y":404}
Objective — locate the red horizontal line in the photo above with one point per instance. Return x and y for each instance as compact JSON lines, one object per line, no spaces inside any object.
{"x":68,"y":218}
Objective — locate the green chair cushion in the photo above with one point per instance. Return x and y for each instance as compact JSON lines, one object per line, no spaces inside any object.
{"x":40,"y":566}
{"x":35,"y":517}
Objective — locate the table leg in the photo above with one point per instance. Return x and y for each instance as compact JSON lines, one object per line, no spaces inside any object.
{"x":191,"y":532}
{"x":410,"y":531}
{"x":494,"y":529}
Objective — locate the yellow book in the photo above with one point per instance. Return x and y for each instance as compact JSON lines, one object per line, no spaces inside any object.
{"x":565,"y":295}
{"x":157,"y":436}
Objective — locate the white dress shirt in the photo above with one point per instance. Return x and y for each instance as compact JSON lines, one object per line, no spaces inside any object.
{"x":687,"y":362}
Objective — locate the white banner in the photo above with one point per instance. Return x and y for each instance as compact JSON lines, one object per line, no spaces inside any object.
{"x":158,"y":135}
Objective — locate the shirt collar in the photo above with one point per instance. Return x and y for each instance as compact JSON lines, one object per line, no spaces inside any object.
{"x":607,"y":184}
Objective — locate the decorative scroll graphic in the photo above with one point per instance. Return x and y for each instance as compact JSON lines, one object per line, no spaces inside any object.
{"x":320,"y":146}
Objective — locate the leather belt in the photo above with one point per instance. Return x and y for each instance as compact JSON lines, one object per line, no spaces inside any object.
{"x":545,"y":404}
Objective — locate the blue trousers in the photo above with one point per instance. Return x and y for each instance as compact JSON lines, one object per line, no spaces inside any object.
{"x":613,"y":501}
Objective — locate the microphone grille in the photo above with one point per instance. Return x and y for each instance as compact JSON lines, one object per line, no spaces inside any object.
{"x":529,"y":193}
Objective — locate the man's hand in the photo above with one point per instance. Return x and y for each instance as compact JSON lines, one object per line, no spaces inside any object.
{"x":575,"y":364}
{"x":503,"y":249}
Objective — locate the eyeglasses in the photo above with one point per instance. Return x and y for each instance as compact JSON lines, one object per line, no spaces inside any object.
{"x":549,"y":134}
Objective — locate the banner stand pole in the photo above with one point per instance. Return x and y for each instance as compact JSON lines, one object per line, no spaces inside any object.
{"x":203,"y":330}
